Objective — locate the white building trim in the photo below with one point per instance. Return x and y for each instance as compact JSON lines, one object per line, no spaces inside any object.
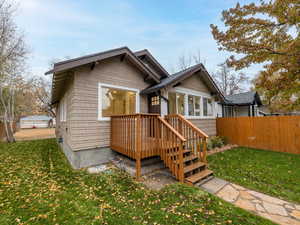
{"x":101,"y":85}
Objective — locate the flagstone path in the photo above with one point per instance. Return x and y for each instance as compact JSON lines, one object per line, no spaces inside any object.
{"x":274,"y":209}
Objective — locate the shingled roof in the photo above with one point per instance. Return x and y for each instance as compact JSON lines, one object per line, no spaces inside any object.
{"x":246,"y":98}
{"x":182,"y":75}
{"x":61,"y":69}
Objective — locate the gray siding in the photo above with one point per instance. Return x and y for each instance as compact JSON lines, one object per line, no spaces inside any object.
{"x":206,"y":125}
{"x":64,"y":128}
{"x":195,"y":83}
{"x":87,"y":131}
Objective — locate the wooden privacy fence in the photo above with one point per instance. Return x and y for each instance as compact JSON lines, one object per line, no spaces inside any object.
{"x":277,"y":133}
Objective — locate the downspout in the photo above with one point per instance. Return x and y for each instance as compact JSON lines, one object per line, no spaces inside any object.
{"x":249,"y":110}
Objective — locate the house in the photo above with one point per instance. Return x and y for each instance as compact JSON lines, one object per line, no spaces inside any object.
{"x":37,"y":121}
{"x":242,"y":104}
{"x":126,"y":101}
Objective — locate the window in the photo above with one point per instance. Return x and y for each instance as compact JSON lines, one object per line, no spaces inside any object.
{"x":155,"y":100}
{"x":207,"y":107}
{"x":63,"y":109}
{"x":176,"y":103}
{"x":194,"y":105}
{"x":115,"y":100}
{"x":191,"y":103}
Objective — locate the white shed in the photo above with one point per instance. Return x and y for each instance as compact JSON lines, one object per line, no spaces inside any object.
{"x":37,"y":121}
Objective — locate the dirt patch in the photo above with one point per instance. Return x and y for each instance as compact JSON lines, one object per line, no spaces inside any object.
{"x":158,"y":179}
{"x":222,"y":149}
{"x":34,"y":134}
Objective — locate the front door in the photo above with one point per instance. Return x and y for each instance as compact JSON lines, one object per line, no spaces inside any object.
{"x":154,"y":103}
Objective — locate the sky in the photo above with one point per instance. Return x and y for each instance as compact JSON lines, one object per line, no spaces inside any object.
{"x":56,"y":29}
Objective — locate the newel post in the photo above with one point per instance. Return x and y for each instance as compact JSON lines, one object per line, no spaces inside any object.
{"x":111,"y":131}
{"x":204,"y":150}
{"x":138,"y":147}
{"x":181,"y":169}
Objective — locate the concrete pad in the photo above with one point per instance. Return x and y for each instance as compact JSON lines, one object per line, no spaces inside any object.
{"x":128,"y":165}
{"x":214,"y":185}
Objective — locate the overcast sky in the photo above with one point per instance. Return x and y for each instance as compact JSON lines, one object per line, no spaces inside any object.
{"x":55,"y":29}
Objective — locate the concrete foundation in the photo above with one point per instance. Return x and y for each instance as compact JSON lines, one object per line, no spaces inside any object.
{"x":98,"y":156}
{"x":128,"y":165}
{"x":87,"y":158}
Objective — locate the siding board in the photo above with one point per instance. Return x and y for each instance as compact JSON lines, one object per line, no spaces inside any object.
{"x":87,"y":131}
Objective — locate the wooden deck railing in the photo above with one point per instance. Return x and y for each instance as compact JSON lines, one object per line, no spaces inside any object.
{"x":171,"y":146}
{"x":144,"y":135}
{"x":195,"y":138}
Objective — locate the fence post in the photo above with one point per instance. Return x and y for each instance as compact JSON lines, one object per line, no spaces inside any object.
{"x":138,"y":147}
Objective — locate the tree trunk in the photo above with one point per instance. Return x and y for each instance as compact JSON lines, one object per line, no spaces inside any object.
{"x":6,"y":120}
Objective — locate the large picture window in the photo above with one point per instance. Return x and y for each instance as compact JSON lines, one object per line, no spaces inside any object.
{"x":176,"y":103}
{"x":117,"y":101}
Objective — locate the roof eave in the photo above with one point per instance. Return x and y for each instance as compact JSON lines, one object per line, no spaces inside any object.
{"x":63,"y":66}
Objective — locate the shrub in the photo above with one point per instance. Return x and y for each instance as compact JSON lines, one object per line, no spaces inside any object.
{"x":215,"y":142}
{"x":224,"y":139}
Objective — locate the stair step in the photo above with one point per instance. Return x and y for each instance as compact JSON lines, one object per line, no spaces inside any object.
{"x":188,"y":158}
{"x":193,"y":166}
{"x":176,"y":153}
{"x":198,"y":176}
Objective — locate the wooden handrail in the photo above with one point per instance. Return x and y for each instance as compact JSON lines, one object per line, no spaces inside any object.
{"x":172,"y":129}
{"x":195,"y":138}
{"x":196,"y":129}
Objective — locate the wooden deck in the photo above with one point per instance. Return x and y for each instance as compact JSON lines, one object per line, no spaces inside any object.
{"x":149,"y":148}
{"x":180,"y":144}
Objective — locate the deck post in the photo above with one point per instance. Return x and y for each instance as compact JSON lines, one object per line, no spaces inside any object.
{"x":138,"y":147}
{"x":181,"y":168}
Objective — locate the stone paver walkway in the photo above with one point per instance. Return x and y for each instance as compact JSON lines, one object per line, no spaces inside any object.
{"x":274,"y":209}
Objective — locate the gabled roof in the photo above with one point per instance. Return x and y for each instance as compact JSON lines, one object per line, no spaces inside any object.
{"x":89,"y":59}
{"x":246,"y":98}
{"x":145,"y":53}
{"x":182,"y":75}
{"x":61,"y":70}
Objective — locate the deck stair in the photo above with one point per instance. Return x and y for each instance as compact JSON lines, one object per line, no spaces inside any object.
{"x":194,"y":154}
{"x":180,"y":144}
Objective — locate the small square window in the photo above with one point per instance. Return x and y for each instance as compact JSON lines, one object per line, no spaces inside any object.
{"x":155,"y":100}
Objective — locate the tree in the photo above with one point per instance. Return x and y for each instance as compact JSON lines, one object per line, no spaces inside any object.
{"x":42,"y":92}
{"x":229,"y":82}
{"x":12,"y":56}
{"x":185,"y":61}
{"x":266,"y":33}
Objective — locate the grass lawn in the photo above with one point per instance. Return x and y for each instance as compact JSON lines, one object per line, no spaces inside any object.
{"x":273,"y":173}
{"x":37,"y":186}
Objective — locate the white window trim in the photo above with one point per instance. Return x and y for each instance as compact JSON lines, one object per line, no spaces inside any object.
{"x":200,"y":94}
{"x":101,"y":85}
